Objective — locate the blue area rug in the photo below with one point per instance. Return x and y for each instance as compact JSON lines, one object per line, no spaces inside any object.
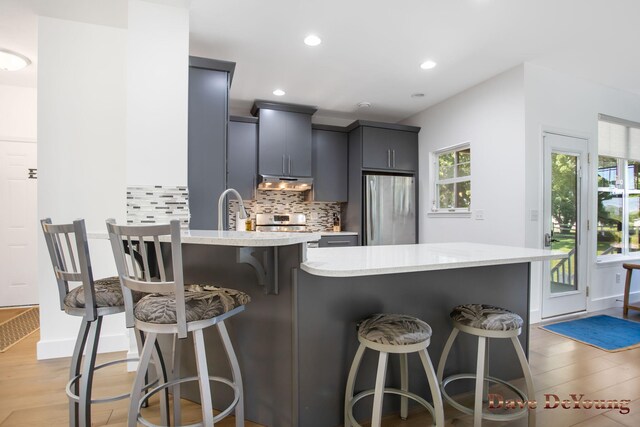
{"x":604,"y":332}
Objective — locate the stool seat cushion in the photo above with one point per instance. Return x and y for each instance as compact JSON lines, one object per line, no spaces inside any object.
{"x":108,"y":293}
{"x":487,"y":317}
{"x":394,"y":329}
{"x":202,"y":302}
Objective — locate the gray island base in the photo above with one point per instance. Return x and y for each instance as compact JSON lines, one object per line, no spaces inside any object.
{"x":295,"y":347}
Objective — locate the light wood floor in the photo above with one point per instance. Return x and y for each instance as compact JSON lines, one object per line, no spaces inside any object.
{"x":32,"y":392}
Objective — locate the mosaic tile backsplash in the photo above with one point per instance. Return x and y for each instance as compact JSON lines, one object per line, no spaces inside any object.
{"x":319,"y":214}
{"x":151,"y":204}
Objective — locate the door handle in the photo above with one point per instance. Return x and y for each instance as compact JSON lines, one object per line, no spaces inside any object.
{"x":283,"y":164}
{"x":289,"y":165}
{"x":548,"y":239}
{"x":388,"y":158}
{"x":394,"y":158}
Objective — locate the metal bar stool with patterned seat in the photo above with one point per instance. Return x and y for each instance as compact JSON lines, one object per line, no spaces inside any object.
{"x":171,"y":308}
{"x":399,"y":334}
{"x":92,"y":300}
{"x":487,"y":321}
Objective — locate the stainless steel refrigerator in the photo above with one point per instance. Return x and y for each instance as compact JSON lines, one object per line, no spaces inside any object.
{"x":390,"y":210}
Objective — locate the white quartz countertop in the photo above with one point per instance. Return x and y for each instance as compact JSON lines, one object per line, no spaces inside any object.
{"x":372,"y":260}
{"x":234,"y":238}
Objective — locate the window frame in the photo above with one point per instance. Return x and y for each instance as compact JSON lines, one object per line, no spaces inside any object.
{"x":623,"y":186}
{"x":435,"y":181}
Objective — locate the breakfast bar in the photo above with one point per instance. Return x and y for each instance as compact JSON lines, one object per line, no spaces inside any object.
{"x":295,"y":344}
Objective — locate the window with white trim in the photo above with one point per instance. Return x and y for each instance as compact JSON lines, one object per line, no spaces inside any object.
{"x":451,"y":179}
{"x":618,"y":230}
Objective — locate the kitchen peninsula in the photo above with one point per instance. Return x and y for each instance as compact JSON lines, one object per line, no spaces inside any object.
{"x":296,"y":339}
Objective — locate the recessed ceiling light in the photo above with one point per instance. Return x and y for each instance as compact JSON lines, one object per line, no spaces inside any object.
{"x":428,"y":64}
{"x":312,"y":40}
{"x":12,"y":61}
{"x":278,"y":92}
{"x":417,"y":95}
{"x":364,"y":104}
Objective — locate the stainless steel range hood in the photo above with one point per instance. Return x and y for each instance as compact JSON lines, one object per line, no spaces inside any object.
{"x":284,"y":183}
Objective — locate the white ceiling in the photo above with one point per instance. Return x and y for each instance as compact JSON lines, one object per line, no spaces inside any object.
{"x":372,"y":49}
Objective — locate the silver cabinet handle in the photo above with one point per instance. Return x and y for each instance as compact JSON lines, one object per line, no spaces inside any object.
{"x":289,"y":165}
{"x":283,"y":164}
{"x":394,"y":158}
{"x":388,"y":158}
{"x":338,"y":242}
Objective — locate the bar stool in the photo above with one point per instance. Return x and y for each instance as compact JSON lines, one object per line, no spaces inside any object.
{"x":92,"y":300}
{"x":172,"y":308}
{"x":399,"y":334}
{"x":486,"y":321}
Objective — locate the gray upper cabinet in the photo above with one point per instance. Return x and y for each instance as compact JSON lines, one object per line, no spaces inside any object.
{"x":209,"y":82}
{"x":284,"y":138}
{"x":389,"y":149}
{"x":242,"y":156}
{"x":330,"y":151}
{"x":272,"y":142}
{"x":298,"y":152}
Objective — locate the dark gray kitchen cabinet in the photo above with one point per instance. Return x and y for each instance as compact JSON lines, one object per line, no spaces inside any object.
{"x":298,"y":149}
{"x":337,"y":241}
{"x":209,"y":82}
{"x":272,"y":142}
{"x":330,"y":161}
{"x":284,"y":138}
{"x":389,"y":149}
{"x":242,"y":156}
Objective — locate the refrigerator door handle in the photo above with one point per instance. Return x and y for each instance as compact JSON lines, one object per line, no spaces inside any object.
{"x":369,"y":203}
{"x":388,"y":158}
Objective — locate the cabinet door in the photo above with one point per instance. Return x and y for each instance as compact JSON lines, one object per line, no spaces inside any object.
{"x":376,"y":149}
{"x":330,"y":166}
{"x":207,"y":155}
{"x":337,"y":241}
{"x":404,"y":151}
{"x":389,"y":149}
{"x":298,"y":161}
{"x":242,"y":158}
{"x":272,"y":147}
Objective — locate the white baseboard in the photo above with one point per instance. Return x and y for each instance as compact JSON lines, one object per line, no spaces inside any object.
{"x":535,"y":316}
{"x":52,"y":349}
{"x":610,"y":301}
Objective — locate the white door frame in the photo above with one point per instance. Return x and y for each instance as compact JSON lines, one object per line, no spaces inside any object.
{"x":573,"y":301}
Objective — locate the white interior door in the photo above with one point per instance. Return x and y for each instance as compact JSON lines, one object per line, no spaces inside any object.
{"x":18,"y":224}
{"x":565,"y":219}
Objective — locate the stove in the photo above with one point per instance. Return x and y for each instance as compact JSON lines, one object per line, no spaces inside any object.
{"x":281,"y":222}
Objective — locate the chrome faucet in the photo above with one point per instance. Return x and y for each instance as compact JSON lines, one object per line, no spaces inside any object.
{"x":241,"y":210}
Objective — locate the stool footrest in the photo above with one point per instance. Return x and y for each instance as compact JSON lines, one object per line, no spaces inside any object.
{"x":388,"y":390}
{"x":220,"y":416}
{"x":74,"y":397}
{"x":485,"y":415}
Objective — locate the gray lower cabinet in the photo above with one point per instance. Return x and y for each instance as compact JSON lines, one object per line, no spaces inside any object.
{"x":338,"y":241}
{"x":242,"y":152}
{"x":207,"y":130}
{"x":389,"y":149}
{"x":330,"y":154}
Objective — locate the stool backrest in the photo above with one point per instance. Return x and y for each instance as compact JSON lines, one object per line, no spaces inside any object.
{"x":69,"y":253}
{"x":145,"y":241}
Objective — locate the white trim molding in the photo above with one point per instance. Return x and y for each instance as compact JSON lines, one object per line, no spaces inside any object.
{"x":53,"y":349}
{"x":18,"y":139}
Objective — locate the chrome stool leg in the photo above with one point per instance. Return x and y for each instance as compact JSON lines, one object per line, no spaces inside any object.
{"x":378,"y":395}
{"x":351,"y":382}
{"x":138,"y":384}
{"x":235,"y":371}
{"x":74,"y":372}
{"x":86,"y":380}
{"x":203,"y":378}
{"x":404,"y":386}
{"x":175,"y":375}
{"x":434,"y":387}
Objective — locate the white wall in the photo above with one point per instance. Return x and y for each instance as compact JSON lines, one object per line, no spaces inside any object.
{"x":157,"y":94}
{"x":81,"y":152}
{"x":491,"y":117}
{"x":18,"y":112}
{"x":562,"y":102}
